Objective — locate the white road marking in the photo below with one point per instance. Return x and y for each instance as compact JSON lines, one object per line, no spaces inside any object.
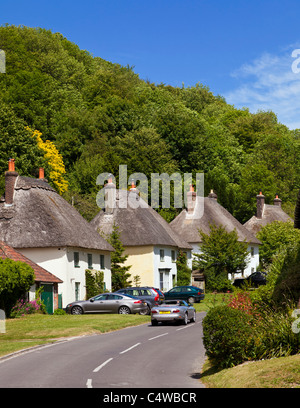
{"x":89,"y":383}
{"x":130,"y":348}
{"x":185,"y":327}
{"x":156,"y":337}
{"x":102,"y":365}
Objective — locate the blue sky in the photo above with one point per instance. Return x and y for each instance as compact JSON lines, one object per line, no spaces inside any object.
{"x":240,"y":49}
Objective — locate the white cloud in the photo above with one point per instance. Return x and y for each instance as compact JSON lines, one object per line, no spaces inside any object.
{"x":269,"y":83}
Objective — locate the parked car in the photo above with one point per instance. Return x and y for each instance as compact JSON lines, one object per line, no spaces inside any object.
{"x":108,"y":303}
{"x":255,"y":279}
{"x":152,"y":296}
{"x":189,"y":293}
{"x":173,"y":311}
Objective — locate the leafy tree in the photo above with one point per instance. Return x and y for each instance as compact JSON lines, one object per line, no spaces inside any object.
{"x":221,"y":253}
{"x":183,"y":271}
{"x":274,"y":237}
{"x":16,"y":278}
{"x":94,"y":283}
{"x":119,"y":273}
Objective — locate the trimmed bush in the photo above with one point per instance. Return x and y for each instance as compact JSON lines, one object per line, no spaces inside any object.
{"x":227,"y":336}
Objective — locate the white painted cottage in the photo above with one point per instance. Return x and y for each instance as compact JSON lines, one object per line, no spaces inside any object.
{"x":201,"y":212}
{"x":39,"y":223}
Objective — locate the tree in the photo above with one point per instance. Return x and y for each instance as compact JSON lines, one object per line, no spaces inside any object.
{"x":183,"y":271}
{"x":274,"y":237}
{"x":221,"y":253}
{"x":94,"y":283}
{"x":119,"y":273}
{"x":16,"y":278}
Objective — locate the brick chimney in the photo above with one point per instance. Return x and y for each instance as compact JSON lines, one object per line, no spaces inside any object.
{"x":277,"y":201}
{"x":10,"y":180}
{"x":213,"y":195}
{"x":191,"y":200}
{"x":260,"y":203}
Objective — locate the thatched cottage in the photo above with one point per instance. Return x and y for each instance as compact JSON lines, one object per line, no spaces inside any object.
{"x":202,"y":212}
{"x":266,"y":213}
{"x":39,"y":223}
{"x":149,"y":241}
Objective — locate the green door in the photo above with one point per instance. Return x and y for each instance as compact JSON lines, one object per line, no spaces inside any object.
{"x":47,"y":297}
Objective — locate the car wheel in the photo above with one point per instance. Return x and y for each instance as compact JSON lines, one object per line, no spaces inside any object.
{"x":124,"y":310}
{"x":77,"y":310}
{"x":154,"y":322}
{"x":193,"y":319}
{"x":146,"y":311}
{"x":185,"y":320}
{"x":191,"y":300}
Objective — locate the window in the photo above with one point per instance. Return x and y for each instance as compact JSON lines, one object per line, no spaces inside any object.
{"x":173,"y":253}
{"x":252,"y":251}
{"x":90,"y":261}
{"x":176,"y":290}
{"x":102,"y":264}
{"x":162,"y":255}
{"x":77,"y":291}
{"x":76,"y":260}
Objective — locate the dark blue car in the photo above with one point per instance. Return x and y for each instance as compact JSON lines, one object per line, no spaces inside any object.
{"x":189,"y":293}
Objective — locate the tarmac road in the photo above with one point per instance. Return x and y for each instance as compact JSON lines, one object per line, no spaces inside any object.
{"x":165,"y":356}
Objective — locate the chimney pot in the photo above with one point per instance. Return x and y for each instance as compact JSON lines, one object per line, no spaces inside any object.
{"x":11,"y":164}
{"x":41,"y":173}
{"x":260,"y":203}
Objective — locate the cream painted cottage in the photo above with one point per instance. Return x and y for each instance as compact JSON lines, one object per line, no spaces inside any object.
{"x":149,"y":241}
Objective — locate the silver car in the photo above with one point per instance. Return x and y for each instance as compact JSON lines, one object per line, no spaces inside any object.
{"x":108,"y":303}
{"x":173,"y":311}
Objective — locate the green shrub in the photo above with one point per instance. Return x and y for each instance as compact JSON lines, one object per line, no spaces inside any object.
{"x":273,"y":335}
{"x":227,"y":336}
{"x":218,"y":284}
{"x":59,"y":312}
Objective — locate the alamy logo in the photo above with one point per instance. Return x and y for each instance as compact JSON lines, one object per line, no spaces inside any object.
{"x":295,"y":65}
{"x":2,"y":321}
{"x":2,"y":62}
{"x":160,"y":190}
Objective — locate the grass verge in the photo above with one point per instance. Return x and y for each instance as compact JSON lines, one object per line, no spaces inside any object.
{"x":282,"y":372}
{"x":36,"y":329}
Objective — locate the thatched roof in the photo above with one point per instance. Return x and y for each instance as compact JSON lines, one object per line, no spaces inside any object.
{"x":39,"y":217}
{"x":187,"y":225}
{"x":270,"y":213}
{"x":141,"y":225}
{"x":40,"y":274}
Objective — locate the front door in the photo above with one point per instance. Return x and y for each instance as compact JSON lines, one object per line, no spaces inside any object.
{"x":47,"y":297}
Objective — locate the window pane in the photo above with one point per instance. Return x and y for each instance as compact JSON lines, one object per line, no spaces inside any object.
{"x":90,"y":261}
{"x":76,"y":259}
{"x":102,"y":265}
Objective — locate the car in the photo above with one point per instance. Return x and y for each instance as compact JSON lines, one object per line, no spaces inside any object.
{"x":255,"y":279}
{"x":152,"y":296}
{"x":173,"y":311}
{"x":189,"y":293}
{"x":108,"y":303}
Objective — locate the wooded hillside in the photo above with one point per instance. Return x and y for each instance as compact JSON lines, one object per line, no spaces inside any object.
{"x":96,"y":115}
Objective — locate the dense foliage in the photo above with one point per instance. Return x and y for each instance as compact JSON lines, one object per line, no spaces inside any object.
{"x":16,"y":278}
{"x":100,"y":115}
{"x":221,"y":254}
{"x":240,"y":331}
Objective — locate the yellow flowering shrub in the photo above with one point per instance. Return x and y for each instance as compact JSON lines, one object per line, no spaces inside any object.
{"x":54,"y":160}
